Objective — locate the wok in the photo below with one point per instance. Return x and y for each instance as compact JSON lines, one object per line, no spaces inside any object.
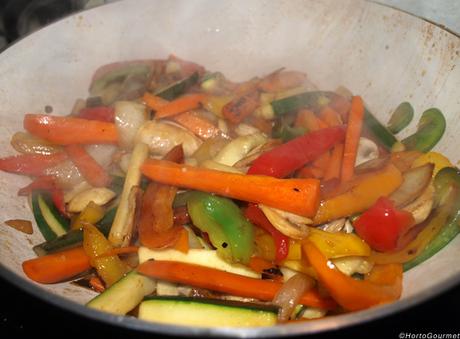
{"x":384,"y":55}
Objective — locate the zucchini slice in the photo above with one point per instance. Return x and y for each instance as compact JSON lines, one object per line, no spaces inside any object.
{"x":49,"y":221}
{"x":178,"y":88}
{"x":204,"y":312}
{"x":124,"y":295}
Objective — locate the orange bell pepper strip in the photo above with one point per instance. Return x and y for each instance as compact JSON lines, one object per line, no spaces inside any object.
{"x":221,"y":281}
{"x":299,"y":196}
{"x":68,"y":130}
{"x":354,"y":127}
{"x":94,"y":173}
{"x":383,"y":285}
{"x":57,"y":267}
{"x":239,"y":108}
{"x":361,"y":196}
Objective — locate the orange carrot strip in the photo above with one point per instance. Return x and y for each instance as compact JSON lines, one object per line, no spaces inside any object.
{"x":153,"y":101}
{"x":56,"y":267}
{"x":309,"y":120}
{"x":323,"y":161}
{"x":182,"y":104}
{"x":197,"y":125}
{"x":330,"y":116}
{"x":94,"y":173}
{"x":355,"y":123}
{"x":300,"y":196}
{"x":67,"y":130}
{"x":221,"y":281}
{"x":335,"y":163}
{"x":282,"y":80}
{"x":242,"y":106}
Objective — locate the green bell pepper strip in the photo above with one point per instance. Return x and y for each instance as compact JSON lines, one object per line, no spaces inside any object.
{"x":447,"y":183}
{"x":430,"y":129}
{"x":401,"y":117}
{"x":229,"y":231}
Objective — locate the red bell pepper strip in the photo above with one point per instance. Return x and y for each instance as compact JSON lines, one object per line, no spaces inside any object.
{"x":31,"y":164}
{"x":89,"y":168}
{"x":258,"y":218}
{"x":288,"y":157}
{"x":101,"y":113}
{"x":47,"y":183}
{"x":382,"y":225}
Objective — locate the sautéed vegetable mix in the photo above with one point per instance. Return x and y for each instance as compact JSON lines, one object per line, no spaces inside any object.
{"x":182,"y":197}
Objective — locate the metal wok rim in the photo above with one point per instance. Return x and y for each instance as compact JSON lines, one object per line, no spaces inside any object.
{"x":321,"y":325}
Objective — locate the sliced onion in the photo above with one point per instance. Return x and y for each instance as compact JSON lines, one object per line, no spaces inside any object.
{"x":102,"y":153}
{"x":129,"y":117}
{"x":239,"y":148}
{"x":290,"y":293}
{"x":372,"y":165}
{"x":162,"y":136}
{"x":414,"y":183}
{"x":292,"y":225}
{"x":66,"y":174}
{"x":29,"y":144}
{"x":367,"y":150}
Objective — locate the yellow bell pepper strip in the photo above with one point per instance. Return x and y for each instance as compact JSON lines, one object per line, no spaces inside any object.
{"x":383,"y":285}
{"x":439,"y":160}
{"x":360,"y":197}
{"x":299,"y":196}
{"x":109,"y":268}
{"x":441,"y":227}
{"x":91,"y":214}
{"x":339,"y":244}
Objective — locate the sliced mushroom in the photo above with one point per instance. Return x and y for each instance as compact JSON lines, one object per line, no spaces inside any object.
{"x":238,"y":148}
{"x":367,"y":150}
{"x":162,"y":136}
{"x":421,"y":207}
{"x":292,"y":225}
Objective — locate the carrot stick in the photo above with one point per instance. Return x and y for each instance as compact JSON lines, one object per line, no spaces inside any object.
{"x":355,"y":123}
{"x":197,"y":125}
{"x":183,"y":104}
{"x":56,"y":267}
{"x":221,"y":281}
{"x":242,"y":106}
{"x":94,"y":173}
{"x":323,"y":161}
{"x":335,"y":163}
{"x":309,"y":120}
{"x":154,"y":102}
{"x":67,"y":130}
{"x":300,"y":196}
{"x":330,"y":116}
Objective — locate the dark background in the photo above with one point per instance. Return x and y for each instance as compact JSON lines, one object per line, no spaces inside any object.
{"x":23,"y":315}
